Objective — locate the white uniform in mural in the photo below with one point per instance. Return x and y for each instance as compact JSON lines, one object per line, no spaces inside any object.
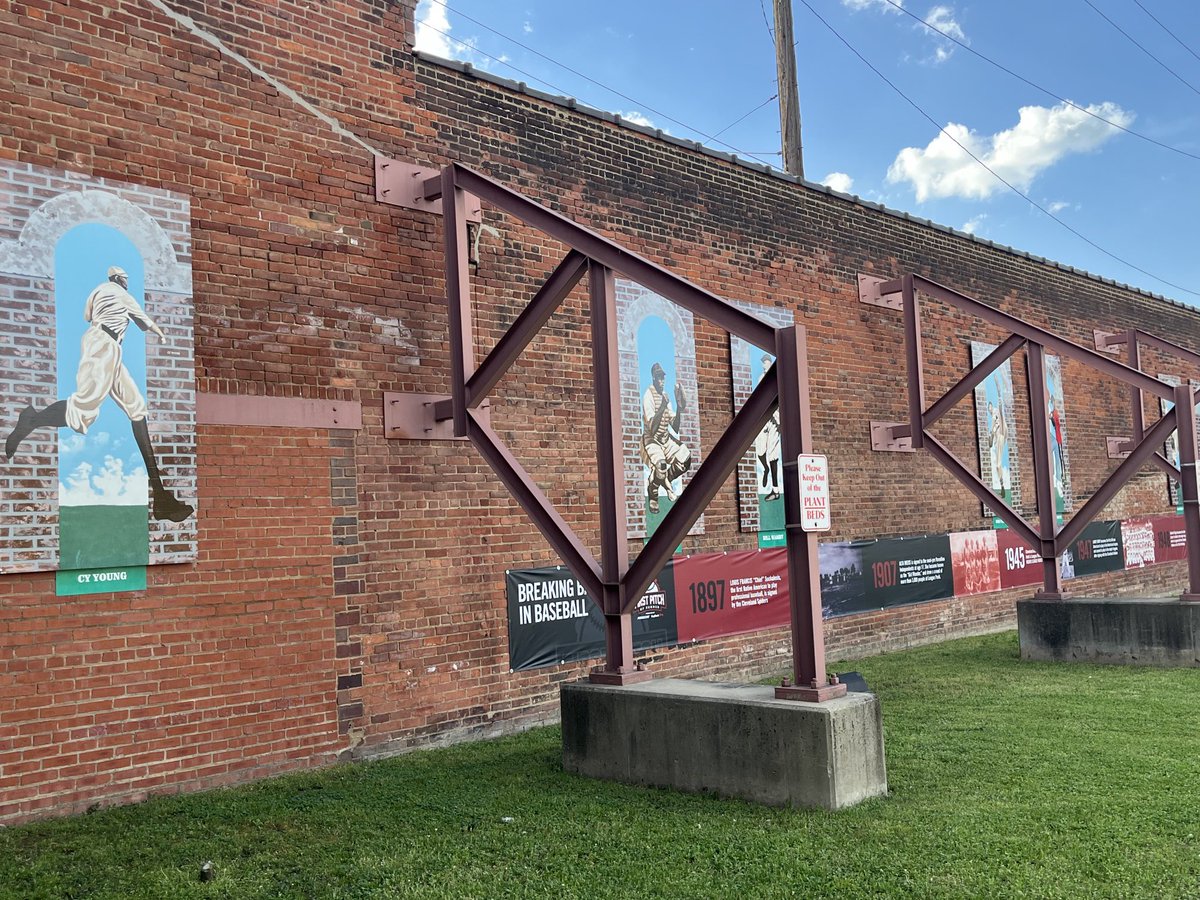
{"x":766,"y":447}
{"x":662,"y":450}
{"x":101,"y":373}
{"x":110,"y":308}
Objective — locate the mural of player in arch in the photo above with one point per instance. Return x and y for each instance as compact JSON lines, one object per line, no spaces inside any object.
{"x":98,"y":422}
{"x":760,"y":473}
{"x":995,"y":424}
{"x":1060,"y":460}
{"x":660,"y":421}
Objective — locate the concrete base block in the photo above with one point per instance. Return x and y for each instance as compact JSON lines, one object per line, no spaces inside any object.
{"x":1116,"y":631}
{"x":735,"y":740}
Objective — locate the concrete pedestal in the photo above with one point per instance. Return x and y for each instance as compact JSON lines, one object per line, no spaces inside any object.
{"x":734,"y":740}
{"x":1117,"y":631}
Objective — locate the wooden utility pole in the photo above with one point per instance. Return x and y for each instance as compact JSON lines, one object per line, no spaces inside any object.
{"x":789,"y":100}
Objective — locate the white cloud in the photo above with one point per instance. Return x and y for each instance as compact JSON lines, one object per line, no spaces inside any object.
{"x":1041,"y":137}
{"x":1057,"y":206}
{"x":70,"y":443}
{"x":433,"y":26}
{"x":881,"y":5}
{"x":972,"y":225}
{"x":527,"y":27}
{"x":433,"y":30}
{"x":108,"y":487}
{"x":941,"y":18}
{"x":839,"y":181}
{"x":636,"y":118}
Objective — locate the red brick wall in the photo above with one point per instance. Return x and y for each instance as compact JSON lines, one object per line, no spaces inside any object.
{"x":349,"y":593}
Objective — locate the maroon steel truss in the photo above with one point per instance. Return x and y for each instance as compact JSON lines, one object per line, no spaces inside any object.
{"x":616,"y":581}
{"x":1046,"y":537}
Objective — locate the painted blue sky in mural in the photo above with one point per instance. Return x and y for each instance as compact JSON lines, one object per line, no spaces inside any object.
{"x":656,"y":344}
{"x":102,"y":467}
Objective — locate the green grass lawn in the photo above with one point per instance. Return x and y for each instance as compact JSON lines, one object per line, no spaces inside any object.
{"x":1007,"y":779}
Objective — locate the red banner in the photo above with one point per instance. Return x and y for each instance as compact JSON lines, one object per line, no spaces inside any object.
{"x":1019,"y":563}
{"x":718,"y":594}
{"x":1170,"y":540}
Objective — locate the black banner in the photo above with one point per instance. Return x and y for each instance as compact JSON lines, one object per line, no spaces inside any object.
{"x":551,"y":619}
{"x":907,"y":570}
{"x":1098,"y":549}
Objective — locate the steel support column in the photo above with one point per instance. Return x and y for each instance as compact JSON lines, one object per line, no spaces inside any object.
{"x":458,"y":294}
{"x":809,"y":679}
{"x":619,"y":666}
{"x":1185,"y":412}
{"x":1043,"y":475}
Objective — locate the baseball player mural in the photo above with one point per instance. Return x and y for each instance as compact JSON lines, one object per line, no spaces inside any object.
{"x":97,"y":422}
{"x":102,"y":374}
{"x":663,"y":452}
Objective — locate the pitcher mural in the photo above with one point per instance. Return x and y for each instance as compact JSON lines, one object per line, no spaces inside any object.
{"x":95,"y":306}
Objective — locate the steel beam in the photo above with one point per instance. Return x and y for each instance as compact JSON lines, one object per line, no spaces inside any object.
{"x":1050,"y":341}
{"x":548,"y":298}
{"x":557,"y":532}
{"x":982,"y":491}
{"x":989,"y":364}
{"x":1145,"y":450}
{"x":699,"y":301}
{"x":458,"y":296}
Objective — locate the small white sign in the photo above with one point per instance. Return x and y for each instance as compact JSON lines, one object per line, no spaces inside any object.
{"x":814,"y":492}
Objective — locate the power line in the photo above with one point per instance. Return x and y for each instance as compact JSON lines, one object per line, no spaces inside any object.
{"x":1166,"y":29}
{"x":600,"y":84}
{"x":1181,"y":79}
{"x":1044,"y":90}
{"x":994,"y":174}
{"x":747,"y":115}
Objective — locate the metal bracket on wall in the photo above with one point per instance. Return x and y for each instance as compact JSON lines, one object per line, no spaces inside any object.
{"x":869,"y":293}
{"x":402,"y":184}
{"x":1110,"y":341}
{"x":893,"y":437}
{"x":422,"y":417}
{"x":1118,"y":447}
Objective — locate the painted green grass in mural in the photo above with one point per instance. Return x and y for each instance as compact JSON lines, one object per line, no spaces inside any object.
{"x":771,"y":522}
{"x":96,"y":537}
{"x":1007,"y":779}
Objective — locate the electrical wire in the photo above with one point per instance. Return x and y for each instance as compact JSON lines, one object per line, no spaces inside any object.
{"x":1044,"y":90}
{"x":1131,"y":40}
{"x":600,"y":84}
{"x":746,"y":116}
{"x":1166,"y":29}
{"x":994,"y":173}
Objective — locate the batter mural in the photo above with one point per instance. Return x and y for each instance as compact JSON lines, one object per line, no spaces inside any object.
{"x":97,"y":417}
{"x":657,"y":348}
{"x":995,"y":422}
{"x":760,"y":473}
{"x":1057,"y":428}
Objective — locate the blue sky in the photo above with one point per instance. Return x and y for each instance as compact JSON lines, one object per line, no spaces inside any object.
{"x":694,"y":69}
{"x":104,"y":466}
